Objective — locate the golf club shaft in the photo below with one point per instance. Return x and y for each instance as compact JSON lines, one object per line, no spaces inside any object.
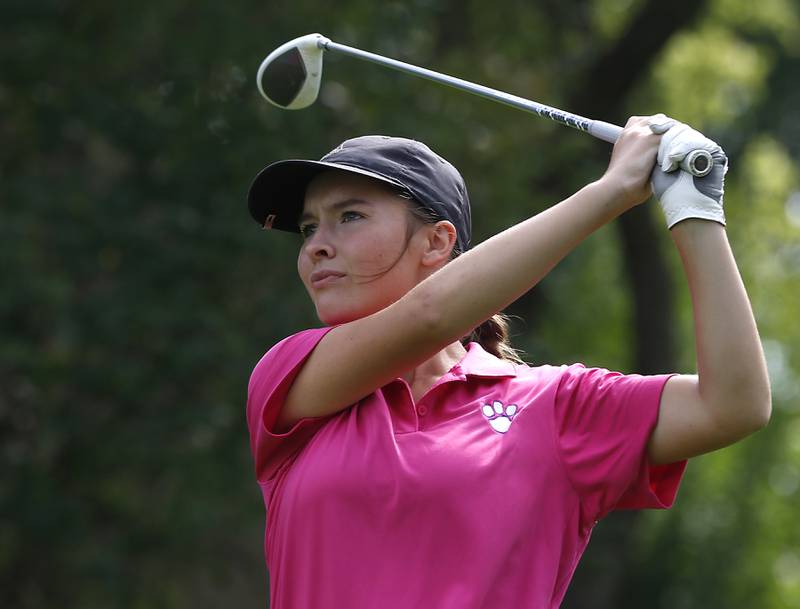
{"x":599,"y":129}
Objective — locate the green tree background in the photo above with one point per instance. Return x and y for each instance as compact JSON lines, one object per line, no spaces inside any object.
{"x":137,"y":294}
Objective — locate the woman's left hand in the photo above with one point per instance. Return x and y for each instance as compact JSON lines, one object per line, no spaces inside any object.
{"x":682,"y":195}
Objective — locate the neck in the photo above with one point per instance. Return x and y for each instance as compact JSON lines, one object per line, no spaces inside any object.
{"x":422,"y":378}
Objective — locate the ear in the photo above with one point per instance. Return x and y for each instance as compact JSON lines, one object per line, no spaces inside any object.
{"x":440,"y":241}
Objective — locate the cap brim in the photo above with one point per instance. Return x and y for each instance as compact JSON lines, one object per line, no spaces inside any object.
{"x":277,"y":194}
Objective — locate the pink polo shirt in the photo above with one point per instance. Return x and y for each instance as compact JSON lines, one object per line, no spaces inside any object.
{"x":483,"y":494}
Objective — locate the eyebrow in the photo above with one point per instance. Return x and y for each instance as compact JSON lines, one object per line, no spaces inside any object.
{"x":335,"y":207}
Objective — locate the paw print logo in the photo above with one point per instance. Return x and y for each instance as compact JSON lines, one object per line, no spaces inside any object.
{"x":499,"y":416}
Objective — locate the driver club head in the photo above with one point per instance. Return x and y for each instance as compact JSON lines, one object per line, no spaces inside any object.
{"x":289,"y":77}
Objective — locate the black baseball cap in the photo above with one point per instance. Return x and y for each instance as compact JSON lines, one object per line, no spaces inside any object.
{"x":277,"y":194}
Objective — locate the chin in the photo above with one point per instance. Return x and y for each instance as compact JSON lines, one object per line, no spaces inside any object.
{"x":335,"y":316}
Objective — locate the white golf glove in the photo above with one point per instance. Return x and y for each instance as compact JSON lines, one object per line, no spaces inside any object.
{"x":681,"y":194}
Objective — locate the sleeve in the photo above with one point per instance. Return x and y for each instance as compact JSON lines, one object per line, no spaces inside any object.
{"x":269,"y":383}
{"x":603,"y":422}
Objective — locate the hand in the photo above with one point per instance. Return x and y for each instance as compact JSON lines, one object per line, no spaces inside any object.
{"x":632,"y":162}
{"x":681,"y":194}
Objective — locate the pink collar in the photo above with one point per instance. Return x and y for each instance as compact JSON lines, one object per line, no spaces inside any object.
{"x":478,"y":362}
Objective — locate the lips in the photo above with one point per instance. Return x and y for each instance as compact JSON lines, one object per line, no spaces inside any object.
{"x":322,"y":278}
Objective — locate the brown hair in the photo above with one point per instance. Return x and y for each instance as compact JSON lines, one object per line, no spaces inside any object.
{"x":492,"y":334}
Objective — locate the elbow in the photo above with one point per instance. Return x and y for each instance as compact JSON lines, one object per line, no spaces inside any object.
{"x":763,"y":410}
{"x":762,"y":403}
{"x":761,"y":397}
{"x":756,"y":411}
{"x":744,"y":413}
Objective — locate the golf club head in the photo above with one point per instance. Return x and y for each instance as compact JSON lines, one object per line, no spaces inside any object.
{"x":289,"y":77}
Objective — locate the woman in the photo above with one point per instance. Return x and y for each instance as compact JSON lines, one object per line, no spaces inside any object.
{"x":403,"y":468}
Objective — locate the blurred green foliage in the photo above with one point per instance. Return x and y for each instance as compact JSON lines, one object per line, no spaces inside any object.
{"x":137,"y":294}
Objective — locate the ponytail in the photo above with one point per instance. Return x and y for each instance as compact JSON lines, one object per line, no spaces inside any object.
{"x":492,"y":335}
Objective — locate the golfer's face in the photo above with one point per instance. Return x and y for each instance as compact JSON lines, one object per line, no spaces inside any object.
{"x":355,"y":258}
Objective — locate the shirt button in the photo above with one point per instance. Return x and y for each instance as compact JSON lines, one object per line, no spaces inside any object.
{"x":422,"y":410}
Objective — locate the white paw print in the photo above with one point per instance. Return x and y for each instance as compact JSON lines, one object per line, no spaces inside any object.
{"x":499,"y":416}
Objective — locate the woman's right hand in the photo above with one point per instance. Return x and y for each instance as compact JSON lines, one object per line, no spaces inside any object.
{"x":632,"y":162}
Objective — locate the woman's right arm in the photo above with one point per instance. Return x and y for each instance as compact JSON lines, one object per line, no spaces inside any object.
{"x":354,"y":359}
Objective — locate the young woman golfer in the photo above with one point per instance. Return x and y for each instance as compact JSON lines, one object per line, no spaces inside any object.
{"x":405,"y":458}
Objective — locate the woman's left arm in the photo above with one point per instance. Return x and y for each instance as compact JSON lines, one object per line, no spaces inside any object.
{"x":729,"y":398}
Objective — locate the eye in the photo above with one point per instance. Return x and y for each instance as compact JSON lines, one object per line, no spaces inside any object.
{"x":306,"y":230}
{"x":349,"y":216}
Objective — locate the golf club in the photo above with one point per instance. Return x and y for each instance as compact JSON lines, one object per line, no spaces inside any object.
{"x":290,"y":76}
